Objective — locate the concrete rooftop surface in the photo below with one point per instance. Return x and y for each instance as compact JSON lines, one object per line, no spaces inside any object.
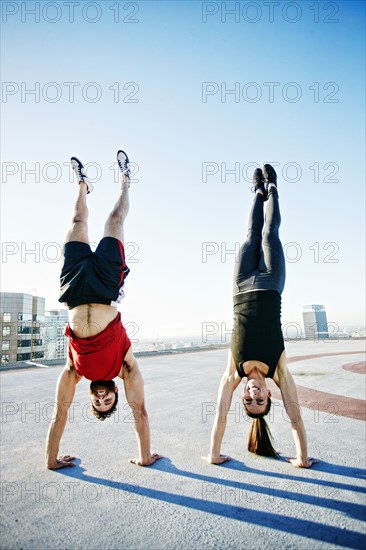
{"x":182,"y":502}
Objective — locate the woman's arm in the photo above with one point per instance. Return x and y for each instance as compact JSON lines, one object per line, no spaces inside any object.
{"x":287,"y":386}
{"x":229,"y":383}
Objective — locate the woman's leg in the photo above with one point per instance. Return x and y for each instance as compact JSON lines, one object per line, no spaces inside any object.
{"x":273,"y":260}
{"x":250,"y":251}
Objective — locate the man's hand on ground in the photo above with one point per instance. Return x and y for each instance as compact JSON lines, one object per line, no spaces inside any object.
{"x":63,"y":461}
{"x":216,"y":460}
{"x":302,"y":463}
{"x":139,"y":462}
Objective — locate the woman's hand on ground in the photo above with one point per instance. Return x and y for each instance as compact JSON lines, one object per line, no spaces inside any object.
{"x":63,"y":461}
{"x":302,"y":463}
{"x":139,"y":462}
{"x":216,"y":459}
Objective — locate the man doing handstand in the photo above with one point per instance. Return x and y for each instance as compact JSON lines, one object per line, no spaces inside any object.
{"x":99,"y":348}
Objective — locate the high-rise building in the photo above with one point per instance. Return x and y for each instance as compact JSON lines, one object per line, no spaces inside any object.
{"x":21,"y":321}
{"x":315,"y":322}
{"x":53,"y":334}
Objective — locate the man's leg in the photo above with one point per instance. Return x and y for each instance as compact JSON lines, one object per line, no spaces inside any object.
{"x":78,"y":230}
{"x":250,"y":251}
{"x":114,"y":224}
{"x":76,"y":247}
{"x":273,"y":259}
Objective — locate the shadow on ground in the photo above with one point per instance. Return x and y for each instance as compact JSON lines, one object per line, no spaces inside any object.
{"x":302,"y":527}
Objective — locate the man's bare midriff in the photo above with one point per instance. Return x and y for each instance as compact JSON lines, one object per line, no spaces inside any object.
{"x":90,"y":319}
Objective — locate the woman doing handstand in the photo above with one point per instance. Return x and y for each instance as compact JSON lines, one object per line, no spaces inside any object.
{"x":257,"y":347}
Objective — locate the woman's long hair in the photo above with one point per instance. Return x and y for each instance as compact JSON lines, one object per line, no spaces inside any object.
{"x":260,"y":437}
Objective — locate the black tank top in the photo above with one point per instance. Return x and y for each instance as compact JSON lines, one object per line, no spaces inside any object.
{"x":257,"y":333}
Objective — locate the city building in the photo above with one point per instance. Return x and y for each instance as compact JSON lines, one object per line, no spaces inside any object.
{"x":21,"y":321}
{"x":315,"y":322}
{"x":55,"y":343}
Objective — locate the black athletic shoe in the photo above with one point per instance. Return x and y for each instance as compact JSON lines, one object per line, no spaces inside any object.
{"x":123,"y":163}
{"x":258,"y":182}
{"x":80,"y":173}
{"x":270,"y":176}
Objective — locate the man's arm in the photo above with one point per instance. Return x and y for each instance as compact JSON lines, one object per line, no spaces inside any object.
{"x":287,"y":386}
{"x":65,"y":391}
{"x":229,"y":383}
{"x":134,"y":388}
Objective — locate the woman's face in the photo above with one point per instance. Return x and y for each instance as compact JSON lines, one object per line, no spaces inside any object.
{"x":256,"y":396}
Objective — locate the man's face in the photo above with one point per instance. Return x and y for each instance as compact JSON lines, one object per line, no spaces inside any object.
{"x":256,"y":396}
{"x":103,"y":394}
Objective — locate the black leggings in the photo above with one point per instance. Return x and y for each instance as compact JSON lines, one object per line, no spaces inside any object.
{"x":260,"y":264}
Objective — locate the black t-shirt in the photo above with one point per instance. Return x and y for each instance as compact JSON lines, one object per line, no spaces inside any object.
{"x":257,"y":333}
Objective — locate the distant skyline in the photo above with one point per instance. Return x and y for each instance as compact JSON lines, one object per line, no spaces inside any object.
{"x":198,"y":97}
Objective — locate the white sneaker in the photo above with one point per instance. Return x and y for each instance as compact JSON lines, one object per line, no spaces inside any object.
{"x":80,"y":173}
{"x":123,"y":163}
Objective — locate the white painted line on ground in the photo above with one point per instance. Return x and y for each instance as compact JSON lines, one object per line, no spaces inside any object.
{"x":36,"y":364}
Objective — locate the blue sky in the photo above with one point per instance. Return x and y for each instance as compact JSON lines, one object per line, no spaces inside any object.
{"x":174,"y":134}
